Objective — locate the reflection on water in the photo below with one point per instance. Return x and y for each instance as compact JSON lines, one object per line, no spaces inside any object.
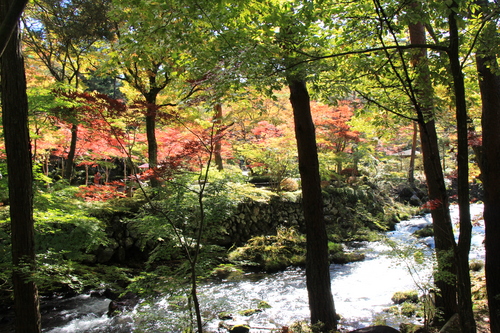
{"x":362,"y":290}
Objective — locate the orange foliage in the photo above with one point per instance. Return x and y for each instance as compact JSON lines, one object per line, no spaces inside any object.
{"x":101,"y":192}
{"x":332,"y":128}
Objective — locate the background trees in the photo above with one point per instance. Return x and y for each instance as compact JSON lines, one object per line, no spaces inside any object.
{"x":180,"y":61}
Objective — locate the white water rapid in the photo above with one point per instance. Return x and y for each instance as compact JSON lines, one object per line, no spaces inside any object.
{"x":362,"y":290}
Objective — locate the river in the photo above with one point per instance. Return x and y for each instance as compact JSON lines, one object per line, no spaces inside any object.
{"x":362,"y":290}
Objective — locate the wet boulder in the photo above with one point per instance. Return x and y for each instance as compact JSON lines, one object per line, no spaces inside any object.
{"x":123,"y":303}
{"x":240,"y":329}
{"x":376,"y":329}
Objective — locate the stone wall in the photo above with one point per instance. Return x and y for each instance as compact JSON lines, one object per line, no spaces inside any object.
{"x":260,"y":218}
{"x":342,"y":207}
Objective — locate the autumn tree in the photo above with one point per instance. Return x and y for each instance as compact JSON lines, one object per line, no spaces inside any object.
{"x":334,"y":133}
{"x":162,"y":72}
{"x":62,"y":34}
{"x":20,"y":181}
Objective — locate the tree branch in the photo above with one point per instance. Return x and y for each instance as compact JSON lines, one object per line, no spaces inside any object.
{"x":375,"y":49}
{"x":370,"y":100}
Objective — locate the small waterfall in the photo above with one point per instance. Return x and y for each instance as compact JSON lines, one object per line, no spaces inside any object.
{"x":362,"y":290}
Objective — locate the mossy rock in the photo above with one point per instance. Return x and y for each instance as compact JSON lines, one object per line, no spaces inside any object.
{"x":226,"y":271}
{"x":410,"y":328}
{"x":263,"y":305}
{"x":240,"y":329}
{"x":249,"y":312}
{"x":409,"y":309}
{"x":272,"y":253}
{"x":346,"y":257}
{"x":426,"y":231}
{"x":476,"y":265}
{"x":225,"y":316}
{"x":400,"y":297}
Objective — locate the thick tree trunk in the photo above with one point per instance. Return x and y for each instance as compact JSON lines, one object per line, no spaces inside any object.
{"x":9,"y":21}
{"x":490,"y":95}
{"x":68,"y":170}
{"x":20,"y":179}
{"x":466,"y":314}
{"x":489,"y":84}
{"x":317,"y":265}
{"x":444,"y":279}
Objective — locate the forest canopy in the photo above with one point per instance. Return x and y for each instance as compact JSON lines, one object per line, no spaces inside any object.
{"x":139,"y":107}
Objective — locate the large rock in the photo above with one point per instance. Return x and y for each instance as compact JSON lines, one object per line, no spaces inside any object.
{"x":240,"y":329}
{"x":452,"y":326}
{"x":125,"y":303}
{"x":376,"y":329}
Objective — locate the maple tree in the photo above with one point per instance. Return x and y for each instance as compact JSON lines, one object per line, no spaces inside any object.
{"x":334,"y":134}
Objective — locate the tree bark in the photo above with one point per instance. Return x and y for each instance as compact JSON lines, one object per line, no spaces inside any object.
{"x":490,"y":95}
{"x":317,"y":265}
{"x":489,"y":84}
{"x":218,"y":146}
{"x":20,"y":181}
{"x":466,"y":314}
{"x":152,"y":144}
{"x":68,"y":170}
{"x":151,"y":98}
{"x":411,"y":169}
{"x":9,"y":21}
{"x":444,"y":279}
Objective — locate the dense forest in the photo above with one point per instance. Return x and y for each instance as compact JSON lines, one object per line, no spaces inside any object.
{"x":135,"y":132}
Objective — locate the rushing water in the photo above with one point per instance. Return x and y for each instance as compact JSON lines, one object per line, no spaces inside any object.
{"x":362,"y":290}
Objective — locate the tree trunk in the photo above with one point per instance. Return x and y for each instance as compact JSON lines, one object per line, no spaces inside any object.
{"x":20,"y":182}
{"x":317,"y":265}
{"x":444,"y":279}
{"x":490,"y":95}
{"x":466,"y":314}
{"x":489,"y":84}
{"x":68,"y":170}
{"x":9,"y":21}
{"x":411,"y":169}
{"x":151,"y":137}
{"x":218,"y":147}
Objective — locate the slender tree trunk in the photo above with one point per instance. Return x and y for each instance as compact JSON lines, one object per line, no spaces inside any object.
{"x":446,"y":301}
{"x":489,"y":84}
{"x":467,"y":322}
{"x":411,"y":169}
{"x":444,"y":278}
{"x":317,"y":265}
{"x":218,"y":147}
{"x":20,"y":182}
{"x":151,"y":137}
{"x":68,"y":170}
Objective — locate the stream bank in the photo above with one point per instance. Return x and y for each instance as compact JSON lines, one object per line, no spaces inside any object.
{"x":362,"y":293}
